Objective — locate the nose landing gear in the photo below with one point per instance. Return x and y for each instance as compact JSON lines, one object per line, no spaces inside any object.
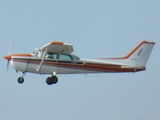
{"x":20,"y":80}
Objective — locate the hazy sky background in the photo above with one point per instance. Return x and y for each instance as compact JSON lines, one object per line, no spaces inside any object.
{"x":96,"y":28}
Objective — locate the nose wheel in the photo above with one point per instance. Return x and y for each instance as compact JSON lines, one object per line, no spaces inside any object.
{"x":20,"y":80}
{"x":51,"y":80}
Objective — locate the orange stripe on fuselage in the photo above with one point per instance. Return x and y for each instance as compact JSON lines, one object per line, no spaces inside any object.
{"x":101,"y":67}
{"x":86,"y":66}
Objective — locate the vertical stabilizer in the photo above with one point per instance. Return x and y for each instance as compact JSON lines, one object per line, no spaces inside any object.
{"x":139,"y":56}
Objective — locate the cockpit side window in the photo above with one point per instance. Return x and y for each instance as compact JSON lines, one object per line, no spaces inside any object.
{"x":65,"y":57}
{"x":52,"y":55}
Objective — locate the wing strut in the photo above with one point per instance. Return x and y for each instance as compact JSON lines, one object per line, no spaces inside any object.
{"x":42,"y":60}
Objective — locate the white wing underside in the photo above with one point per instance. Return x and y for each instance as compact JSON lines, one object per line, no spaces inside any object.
{"x":58,"y":47}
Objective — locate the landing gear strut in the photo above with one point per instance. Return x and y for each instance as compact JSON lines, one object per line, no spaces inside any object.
{"x":52,"y":80}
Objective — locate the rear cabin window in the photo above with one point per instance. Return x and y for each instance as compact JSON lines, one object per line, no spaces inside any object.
{"x":65,"y":57}
{"x":75,"y":57}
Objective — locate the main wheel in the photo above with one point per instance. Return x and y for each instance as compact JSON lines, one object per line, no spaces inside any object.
{"x":54,"y":79}
{"x":20,"y":80}
{"x":49,"y":81}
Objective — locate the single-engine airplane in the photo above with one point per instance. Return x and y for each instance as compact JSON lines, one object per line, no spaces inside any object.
{"x":56,"y":58}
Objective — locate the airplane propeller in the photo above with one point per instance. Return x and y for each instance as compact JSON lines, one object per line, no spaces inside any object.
{"x":7,"y":66}
{"x":8,"y":57}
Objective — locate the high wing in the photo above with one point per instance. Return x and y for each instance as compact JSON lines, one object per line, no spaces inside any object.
{"x":58,"y":47}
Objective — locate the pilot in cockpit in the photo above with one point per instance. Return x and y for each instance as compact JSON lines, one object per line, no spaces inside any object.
{"x":50,"y":56}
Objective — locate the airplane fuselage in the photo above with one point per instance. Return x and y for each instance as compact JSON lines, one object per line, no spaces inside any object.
{"x":29,"y":63}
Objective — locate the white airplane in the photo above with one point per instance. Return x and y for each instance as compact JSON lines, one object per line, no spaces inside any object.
{"x":56,"y":58}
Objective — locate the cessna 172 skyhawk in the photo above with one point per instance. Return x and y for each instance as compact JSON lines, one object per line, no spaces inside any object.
{"x":56,"y":58}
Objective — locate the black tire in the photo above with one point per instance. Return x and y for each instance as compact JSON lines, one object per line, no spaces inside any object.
{"x":54,"y":79}
{"x":20,"y":80}
{"x":49,"y":81}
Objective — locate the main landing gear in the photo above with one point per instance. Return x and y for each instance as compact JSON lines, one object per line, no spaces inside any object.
{"x":51,"y":80}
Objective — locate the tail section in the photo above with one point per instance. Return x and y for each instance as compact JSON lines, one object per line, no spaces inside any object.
{"x":139,"y":56}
